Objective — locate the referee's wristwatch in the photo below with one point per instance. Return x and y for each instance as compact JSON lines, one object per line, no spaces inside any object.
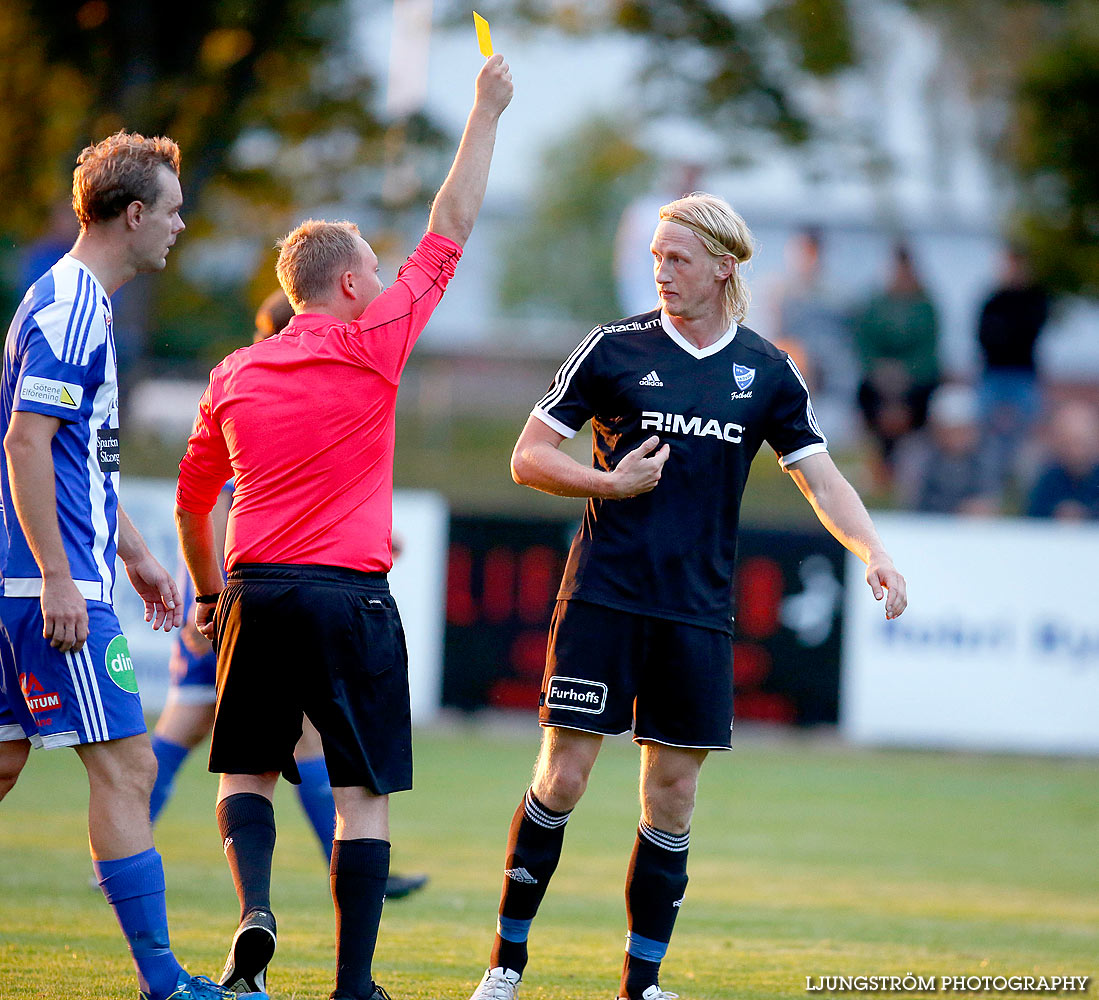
{"x":207,"y":598}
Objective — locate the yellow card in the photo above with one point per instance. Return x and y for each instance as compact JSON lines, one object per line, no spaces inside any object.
{"x":484,"y":36}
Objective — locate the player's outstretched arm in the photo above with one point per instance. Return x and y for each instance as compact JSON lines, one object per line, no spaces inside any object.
{"x":31,"y":473}
{"x":153,"y":583}
{"x":539,"y":463}
{"x":459,"y":199}
{"x":842,"y":512}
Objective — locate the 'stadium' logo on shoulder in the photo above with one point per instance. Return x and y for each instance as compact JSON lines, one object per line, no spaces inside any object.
{"x":120,"y":668}
{"x":577,"y":694}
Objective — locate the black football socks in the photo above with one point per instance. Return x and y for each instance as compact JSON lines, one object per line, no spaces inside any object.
{"x":247,"y":824}
{"x":358,"y":874}
{"x":534,"y":848}
{"x":655,"y":884}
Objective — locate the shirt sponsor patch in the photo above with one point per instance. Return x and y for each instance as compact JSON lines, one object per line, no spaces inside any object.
{"x":107,"y":451}
{"x":576,"y":694}
{"x":51,"y":391}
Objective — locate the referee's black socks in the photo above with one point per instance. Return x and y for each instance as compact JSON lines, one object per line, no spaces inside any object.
{"x":534,"y":848}
{"x":358,"y":874}
{"x":655,"y":884}
{"x":247,"y":824}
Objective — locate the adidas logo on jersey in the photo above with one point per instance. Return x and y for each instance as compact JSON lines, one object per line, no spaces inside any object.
{"x":651,"y":379}
{"x":520,"y":875}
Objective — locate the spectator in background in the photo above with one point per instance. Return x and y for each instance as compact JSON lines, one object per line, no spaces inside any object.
{"x":812,"y":325}
{"x":896,"y":333}
{"x":1068,"y":487}
{"x":945,"y":468}
{"x":1011,"y":321}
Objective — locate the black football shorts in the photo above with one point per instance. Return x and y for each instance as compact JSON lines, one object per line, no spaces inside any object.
{"x":321,"y":641}
{"x":609,"y":671}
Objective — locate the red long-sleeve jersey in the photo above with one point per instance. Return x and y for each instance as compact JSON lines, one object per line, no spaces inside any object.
{"x":304,"y":424}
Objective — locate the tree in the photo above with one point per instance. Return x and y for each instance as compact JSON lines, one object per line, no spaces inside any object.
{"x":1032,"y":67}
{"x":267,"y":99}
{"x":558,"y":261}
{"x":730,"y":69}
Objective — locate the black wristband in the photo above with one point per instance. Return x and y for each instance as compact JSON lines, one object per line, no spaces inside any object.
{"x":206,"y":598}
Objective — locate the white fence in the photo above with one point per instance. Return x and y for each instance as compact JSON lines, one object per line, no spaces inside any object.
{"x":418,"y":582}
{"x":999,"y":649}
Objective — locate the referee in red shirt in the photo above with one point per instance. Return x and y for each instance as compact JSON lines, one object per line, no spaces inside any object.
{"x":305,"y":625}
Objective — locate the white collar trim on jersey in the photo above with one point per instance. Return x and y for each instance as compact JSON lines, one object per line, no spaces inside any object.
{"x":696,"y":352}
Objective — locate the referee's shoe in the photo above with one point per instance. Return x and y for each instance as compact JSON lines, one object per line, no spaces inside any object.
{"x":252,"y":949}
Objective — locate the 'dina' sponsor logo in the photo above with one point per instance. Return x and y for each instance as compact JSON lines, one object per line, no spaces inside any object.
{"x":120,"y":668}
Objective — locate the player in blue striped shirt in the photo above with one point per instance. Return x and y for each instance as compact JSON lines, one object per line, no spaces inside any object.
{"x":67,"y":677}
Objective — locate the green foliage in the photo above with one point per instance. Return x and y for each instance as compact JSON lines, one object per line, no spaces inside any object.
{"x":1055,"y":144}
{"x":558,"y":260}
{"x":1039,"y":60}
{"x":806,"y":859}
{"x":268,"y":99}
{"x":735,"y":70}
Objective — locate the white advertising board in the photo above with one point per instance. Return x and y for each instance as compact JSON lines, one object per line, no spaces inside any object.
{"x":999,"y":647}
{"x":418,"y":582}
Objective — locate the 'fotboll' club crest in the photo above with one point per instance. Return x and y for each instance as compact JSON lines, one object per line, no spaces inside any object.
{"x":744,"y":376}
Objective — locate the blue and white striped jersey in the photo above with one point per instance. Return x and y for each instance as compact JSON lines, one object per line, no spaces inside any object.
{"x":60,"y":360}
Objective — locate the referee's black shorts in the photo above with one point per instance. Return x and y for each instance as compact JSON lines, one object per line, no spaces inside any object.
{"x":323,"y":641}
{"x":609,"y":671}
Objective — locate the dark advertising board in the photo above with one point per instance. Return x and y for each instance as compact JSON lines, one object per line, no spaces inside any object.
{"x":502,"y":581}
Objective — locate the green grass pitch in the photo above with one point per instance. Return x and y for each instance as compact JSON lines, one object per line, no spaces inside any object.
{"x":807,"y":859}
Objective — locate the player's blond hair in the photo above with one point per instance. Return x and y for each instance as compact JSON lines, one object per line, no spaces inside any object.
{"x":313,"y":255}
{"x":724,"y":233}
{"x":121,"y":169}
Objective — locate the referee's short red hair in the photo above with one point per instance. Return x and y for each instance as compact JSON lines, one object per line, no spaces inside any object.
{"x":117,"y":171}
{"x":312,"y":256}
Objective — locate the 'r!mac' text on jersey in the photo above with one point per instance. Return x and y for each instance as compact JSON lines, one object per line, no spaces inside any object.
{"x":60,"y":361}
{"x":670,"y":553}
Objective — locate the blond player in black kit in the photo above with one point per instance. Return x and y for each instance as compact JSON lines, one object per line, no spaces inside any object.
{"x":680,"y":400}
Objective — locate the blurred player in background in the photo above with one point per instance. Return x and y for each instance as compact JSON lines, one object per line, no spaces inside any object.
{"x":304,"y":425}
{"x":69,"y":680}
{"x":189,"y":711}
{"x":680,"y":399}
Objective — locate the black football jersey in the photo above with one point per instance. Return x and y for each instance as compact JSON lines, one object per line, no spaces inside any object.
{"x":670,"y":552}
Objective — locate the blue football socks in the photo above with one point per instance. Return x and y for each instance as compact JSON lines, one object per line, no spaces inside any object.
{"x":134,"y":887}
{"x":315,"y":794}
{"x":169,"y":758}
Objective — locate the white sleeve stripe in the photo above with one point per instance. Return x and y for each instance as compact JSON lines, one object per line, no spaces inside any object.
{"x":564,"y":373}
{"x":567,"y":370}
{"x":553,"y":423}
{"x":810,"y":415}
{"x":84,"y":294}
{"x":796,"y":456}
{"x":96,"y":312}
{"x":78,"y":358}
{"x":64,"y":356}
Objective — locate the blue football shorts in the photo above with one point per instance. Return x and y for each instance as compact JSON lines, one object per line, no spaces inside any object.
{"x":193,"y":675}
{"x":57,"y":699}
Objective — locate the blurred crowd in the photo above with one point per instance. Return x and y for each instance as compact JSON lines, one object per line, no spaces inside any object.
{"x":1001,"y":443}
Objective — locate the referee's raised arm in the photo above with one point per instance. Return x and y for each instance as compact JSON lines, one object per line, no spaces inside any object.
{"x":459,"y":199}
